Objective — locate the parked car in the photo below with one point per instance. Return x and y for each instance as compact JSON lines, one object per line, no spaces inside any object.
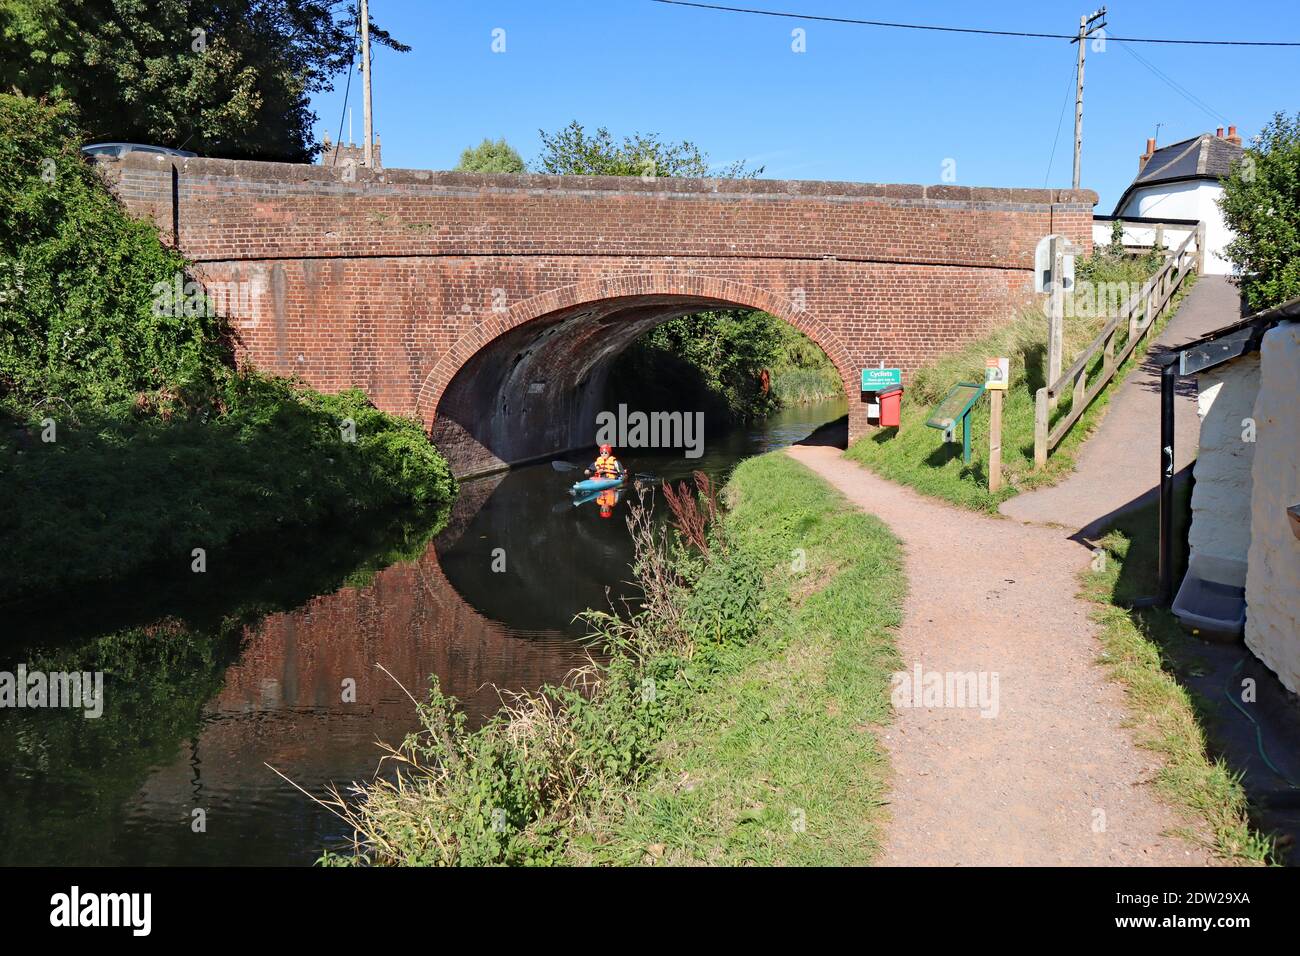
{"x":118,"y":150}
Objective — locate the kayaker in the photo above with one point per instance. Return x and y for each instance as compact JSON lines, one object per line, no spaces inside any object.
{"x":605,"y":465}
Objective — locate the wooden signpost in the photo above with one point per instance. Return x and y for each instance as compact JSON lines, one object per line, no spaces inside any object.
{"x":996,"y":373}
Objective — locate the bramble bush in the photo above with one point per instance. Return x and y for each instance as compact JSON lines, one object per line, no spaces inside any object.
{"x":127,"y":437}
{"x":77,"y":277}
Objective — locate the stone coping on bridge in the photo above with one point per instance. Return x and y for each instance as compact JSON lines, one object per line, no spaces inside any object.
{"x":371,"y":181}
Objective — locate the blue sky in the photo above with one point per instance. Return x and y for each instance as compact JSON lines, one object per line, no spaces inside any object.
{"x":862,"y":103}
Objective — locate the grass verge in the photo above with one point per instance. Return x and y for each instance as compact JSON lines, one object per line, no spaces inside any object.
{"x":1148,"y":653}
{"x":779,"y":763}
{"x":756,"y":668}
{"x":914,"y":454}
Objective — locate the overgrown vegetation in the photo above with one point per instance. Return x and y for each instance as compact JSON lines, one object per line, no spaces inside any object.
{"x":1261,"y":204}
{"x":712,"y":361}
{"x":125,"y":432}
{"x":552,"y":777}
{"x":1150,"y":655}
{"x":117,"y":491}
{"x":77,"y":318}
{"x":916,"y":455}
{"x":739,"y":365}
{"x":801,"y":371}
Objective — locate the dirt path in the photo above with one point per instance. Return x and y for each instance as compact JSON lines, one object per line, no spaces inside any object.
{"x":1119,"y":466}
{"x":1053,"y":778}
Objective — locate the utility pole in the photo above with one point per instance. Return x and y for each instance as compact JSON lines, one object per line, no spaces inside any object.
{"x":365,"y":76}
{"x":1086,"y":28}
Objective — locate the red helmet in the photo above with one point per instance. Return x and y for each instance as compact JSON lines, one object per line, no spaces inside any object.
{"x":606,"y":511}
{"x":606,"y":449}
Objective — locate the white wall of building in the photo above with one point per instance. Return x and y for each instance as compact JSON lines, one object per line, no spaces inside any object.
{"x":1221,"y":497}
{"x":1138,"y":234}
{"x":1197,"y":199}
{"x":1273,"y":571}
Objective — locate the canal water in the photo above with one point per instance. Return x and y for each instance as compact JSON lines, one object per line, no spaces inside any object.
{"x":271,"y":660}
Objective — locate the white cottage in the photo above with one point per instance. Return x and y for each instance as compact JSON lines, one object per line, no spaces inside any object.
{"x":1178,"y":185}
{"x":1245,"y":535}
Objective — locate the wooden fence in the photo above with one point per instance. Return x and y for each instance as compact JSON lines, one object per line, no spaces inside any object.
{"x":1137,"y":315}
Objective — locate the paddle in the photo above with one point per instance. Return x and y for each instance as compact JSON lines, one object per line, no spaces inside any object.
{"x":564,"y":466}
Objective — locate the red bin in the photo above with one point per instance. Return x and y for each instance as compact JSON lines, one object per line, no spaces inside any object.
{"x":891,"y":405}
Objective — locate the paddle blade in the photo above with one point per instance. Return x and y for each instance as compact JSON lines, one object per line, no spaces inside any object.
{"x":564,"y":466}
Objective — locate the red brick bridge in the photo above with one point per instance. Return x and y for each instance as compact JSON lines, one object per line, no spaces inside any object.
{"x":491,"y":306}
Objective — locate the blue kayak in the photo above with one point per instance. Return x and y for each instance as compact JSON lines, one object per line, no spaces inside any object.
{"x":594,"y":484}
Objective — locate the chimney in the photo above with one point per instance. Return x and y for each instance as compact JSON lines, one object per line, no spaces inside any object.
{"x":1233,"y":138}
{"x":1151,"y":148}
{"x":1219,"y":132}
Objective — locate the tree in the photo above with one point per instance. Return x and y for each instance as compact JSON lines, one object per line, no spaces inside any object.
{"x":227,"y":77}
{"x":1261,"y":204}
{"x":491,"y":156}
{"x":571,"y":152}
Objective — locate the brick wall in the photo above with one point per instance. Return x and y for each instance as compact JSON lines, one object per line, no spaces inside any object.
{"x":398,"y":280}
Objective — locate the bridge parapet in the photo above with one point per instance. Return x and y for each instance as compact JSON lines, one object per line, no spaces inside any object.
{"x":235,"y":209}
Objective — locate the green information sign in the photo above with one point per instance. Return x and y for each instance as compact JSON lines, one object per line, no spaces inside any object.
{"x":874,"y":379}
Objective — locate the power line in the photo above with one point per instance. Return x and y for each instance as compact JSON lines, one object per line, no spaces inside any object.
{"x":1074,"y":72}
{"x":347,"y":92}
{"x":973,"y":30}
{"x":1174,"y":85}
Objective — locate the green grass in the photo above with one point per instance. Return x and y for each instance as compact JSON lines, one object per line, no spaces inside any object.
{"x":1147,"y":652}
{"x":788,"y":733}
{"x":802,"y":386}
{"x":916,"y":455}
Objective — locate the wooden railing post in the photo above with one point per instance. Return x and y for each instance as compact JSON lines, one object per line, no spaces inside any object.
{"x":1200,"y":248}
{"x":1040,"y":428}
{"x":1155,"y":300}
{"x":1056,"y":313}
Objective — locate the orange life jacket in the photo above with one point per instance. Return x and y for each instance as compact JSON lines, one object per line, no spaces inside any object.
{"x":607,"y":466}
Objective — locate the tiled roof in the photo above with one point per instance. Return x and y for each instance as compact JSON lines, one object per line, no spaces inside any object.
{"x":1207,"y":155}
{"x":1203,"y":157}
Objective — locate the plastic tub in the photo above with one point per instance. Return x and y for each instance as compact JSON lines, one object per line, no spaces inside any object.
{"x":1211,"y":601}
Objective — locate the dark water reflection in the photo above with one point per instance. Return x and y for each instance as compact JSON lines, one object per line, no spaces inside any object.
{"x":199,"y":701}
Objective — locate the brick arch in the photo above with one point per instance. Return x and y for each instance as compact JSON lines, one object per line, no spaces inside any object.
{"x":630,"y":286}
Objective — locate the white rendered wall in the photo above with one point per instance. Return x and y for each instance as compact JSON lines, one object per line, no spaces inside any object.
{"x":1221,"y":497}
{"x":1198,"y":200}
{"x":1273,"y":568}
